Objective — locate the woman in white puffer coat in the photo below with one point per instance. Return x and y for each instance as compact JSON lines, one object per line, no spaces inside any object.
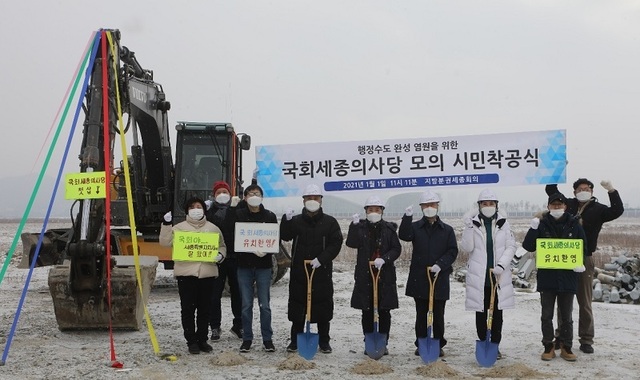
{"x":488,"y":239}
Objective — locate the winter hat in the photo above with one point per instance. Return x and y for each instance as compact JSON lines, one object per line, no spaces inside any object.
{"x":251,"y":188}
{"x":557,"y":197}
{"x":220,"y":185}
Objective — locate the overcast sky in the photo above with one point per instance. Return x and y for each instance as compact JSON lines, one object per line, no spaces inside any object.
{"x":321,"y":71}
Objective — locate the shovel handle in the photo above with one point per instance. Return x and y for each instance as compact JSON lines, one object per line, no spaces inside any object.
{"x":432,"y":283}
{"x":491,"y":300}
{"x":375,"y":276}
{"x":307,"y":264}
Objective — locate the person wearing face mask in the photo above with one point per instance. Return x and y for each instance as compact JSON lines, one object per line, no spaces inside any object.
{"x":316,"y":236}
{"x":195,"y":279}
{"x":376,"y":240}
{"x":228,"y":269}
{"x":254,"y":269}
{"x":592,"y":215}
{"x":435,"y":247}
{"x":556,"y":286}
{"x":488,"y":239}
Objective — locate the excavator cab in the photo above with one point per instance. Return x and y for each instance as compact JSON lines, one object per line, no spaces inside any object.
{"x":206,"y":153}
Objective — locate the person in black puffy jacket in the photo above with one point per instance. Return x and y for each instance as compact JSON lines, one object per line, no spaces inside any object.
{"x":434,"y":247}
{"x":376,"y":241}
{"x":556,"y":285}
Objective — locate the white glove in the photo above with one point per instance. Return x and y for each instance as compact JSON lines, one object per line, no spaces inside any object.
{"x":535,"y":222}
{"x":208,"y":202}
{"x":408,"y":211}
{"x":255,"y":173}
{"x":168,"y":217}
{"x":289,"y":214}
{"x":315,"y":263}
{"x":435,"y":269}
{"x":579,"y":269}
{"x":498,"y":269}
{"x":234,"y":200}
{"x":607,"y":185}
{"x":259,"y":253}
{"x":219,"y":258}
{"x":356,"y":218}
{"x":378,"y":263}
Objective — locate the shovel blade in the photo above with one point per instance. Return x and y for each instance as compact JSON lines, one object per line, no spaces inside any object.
{"x":375,"y":344}
{"x":486,"y":352}
{"x":308,"y":344}
{"x":429,"y":349}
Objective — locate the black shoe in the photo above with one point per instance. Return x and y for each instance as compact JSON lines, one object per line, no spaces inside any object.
{"x":246,"y":346}
{"x":205,"y":347}
{"x":268,"y":346}
{"x":215,"y":334}
{"x":417,"y":353}
{"x":292,"y":347}
{"x":194,"y":348}
{"x":325,"y":348}
{"x":499,"y":355}
{"x":237,"y":331}
{"x":586,"y":348}
{"x":441,"y":353}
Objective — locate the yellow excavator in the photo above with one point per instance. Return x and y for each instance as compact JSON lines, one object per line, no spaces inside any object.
{"x":205,"y":153}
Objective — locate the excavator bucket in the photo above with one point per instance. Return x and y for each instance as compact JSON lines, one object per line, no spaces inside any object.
{"x":83,"y":311}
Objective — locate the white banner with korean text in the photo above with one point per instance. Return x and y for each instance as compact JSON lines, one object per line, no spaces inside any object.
{"x":522,"y":158}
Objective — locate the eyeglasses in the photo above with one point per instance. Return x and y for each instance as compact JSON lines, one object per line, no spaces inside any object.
{"x":254,"y":194}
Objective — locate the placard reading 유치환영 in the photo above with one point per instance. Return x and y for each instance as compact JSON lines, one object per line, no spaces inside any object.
{"x":559,"y":253}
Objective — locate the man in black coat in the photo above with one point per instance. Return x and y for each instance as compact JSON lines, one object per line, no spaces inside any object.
{"x":556,"y":284}
{"x":376,"y":240}
{"x":592,"y":215}
{"x":434,"y":246}
{"x":316,"y":236}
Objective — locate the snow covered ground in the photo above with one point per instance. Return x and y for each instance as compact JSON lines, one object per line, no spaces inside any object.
{"x":40,"y":351}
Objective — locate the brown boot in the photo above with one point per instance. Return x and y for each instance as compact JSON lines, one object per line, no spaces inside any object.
{"x":548,"y":353}
{"x":566,"y":354}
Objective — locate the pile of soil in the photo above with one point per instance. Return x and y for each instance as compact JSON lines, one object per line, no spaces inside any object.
{"x":228,"y":358}
{"x":370,"y":367}
{"x":296,"y":363}
{"x":517,"y":371}
{"x":438,"y":369}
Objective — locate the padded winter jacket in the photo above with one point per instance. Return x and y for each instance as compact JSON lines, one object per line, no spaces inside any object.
{"x":432,"y":244}
{"x":318,"y":236}
{"x":193,"y":268}
{"x":474,"y":241}
{"x":566,"y":227}
{"x":234,"y":215}
{"x":368,"y":238}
